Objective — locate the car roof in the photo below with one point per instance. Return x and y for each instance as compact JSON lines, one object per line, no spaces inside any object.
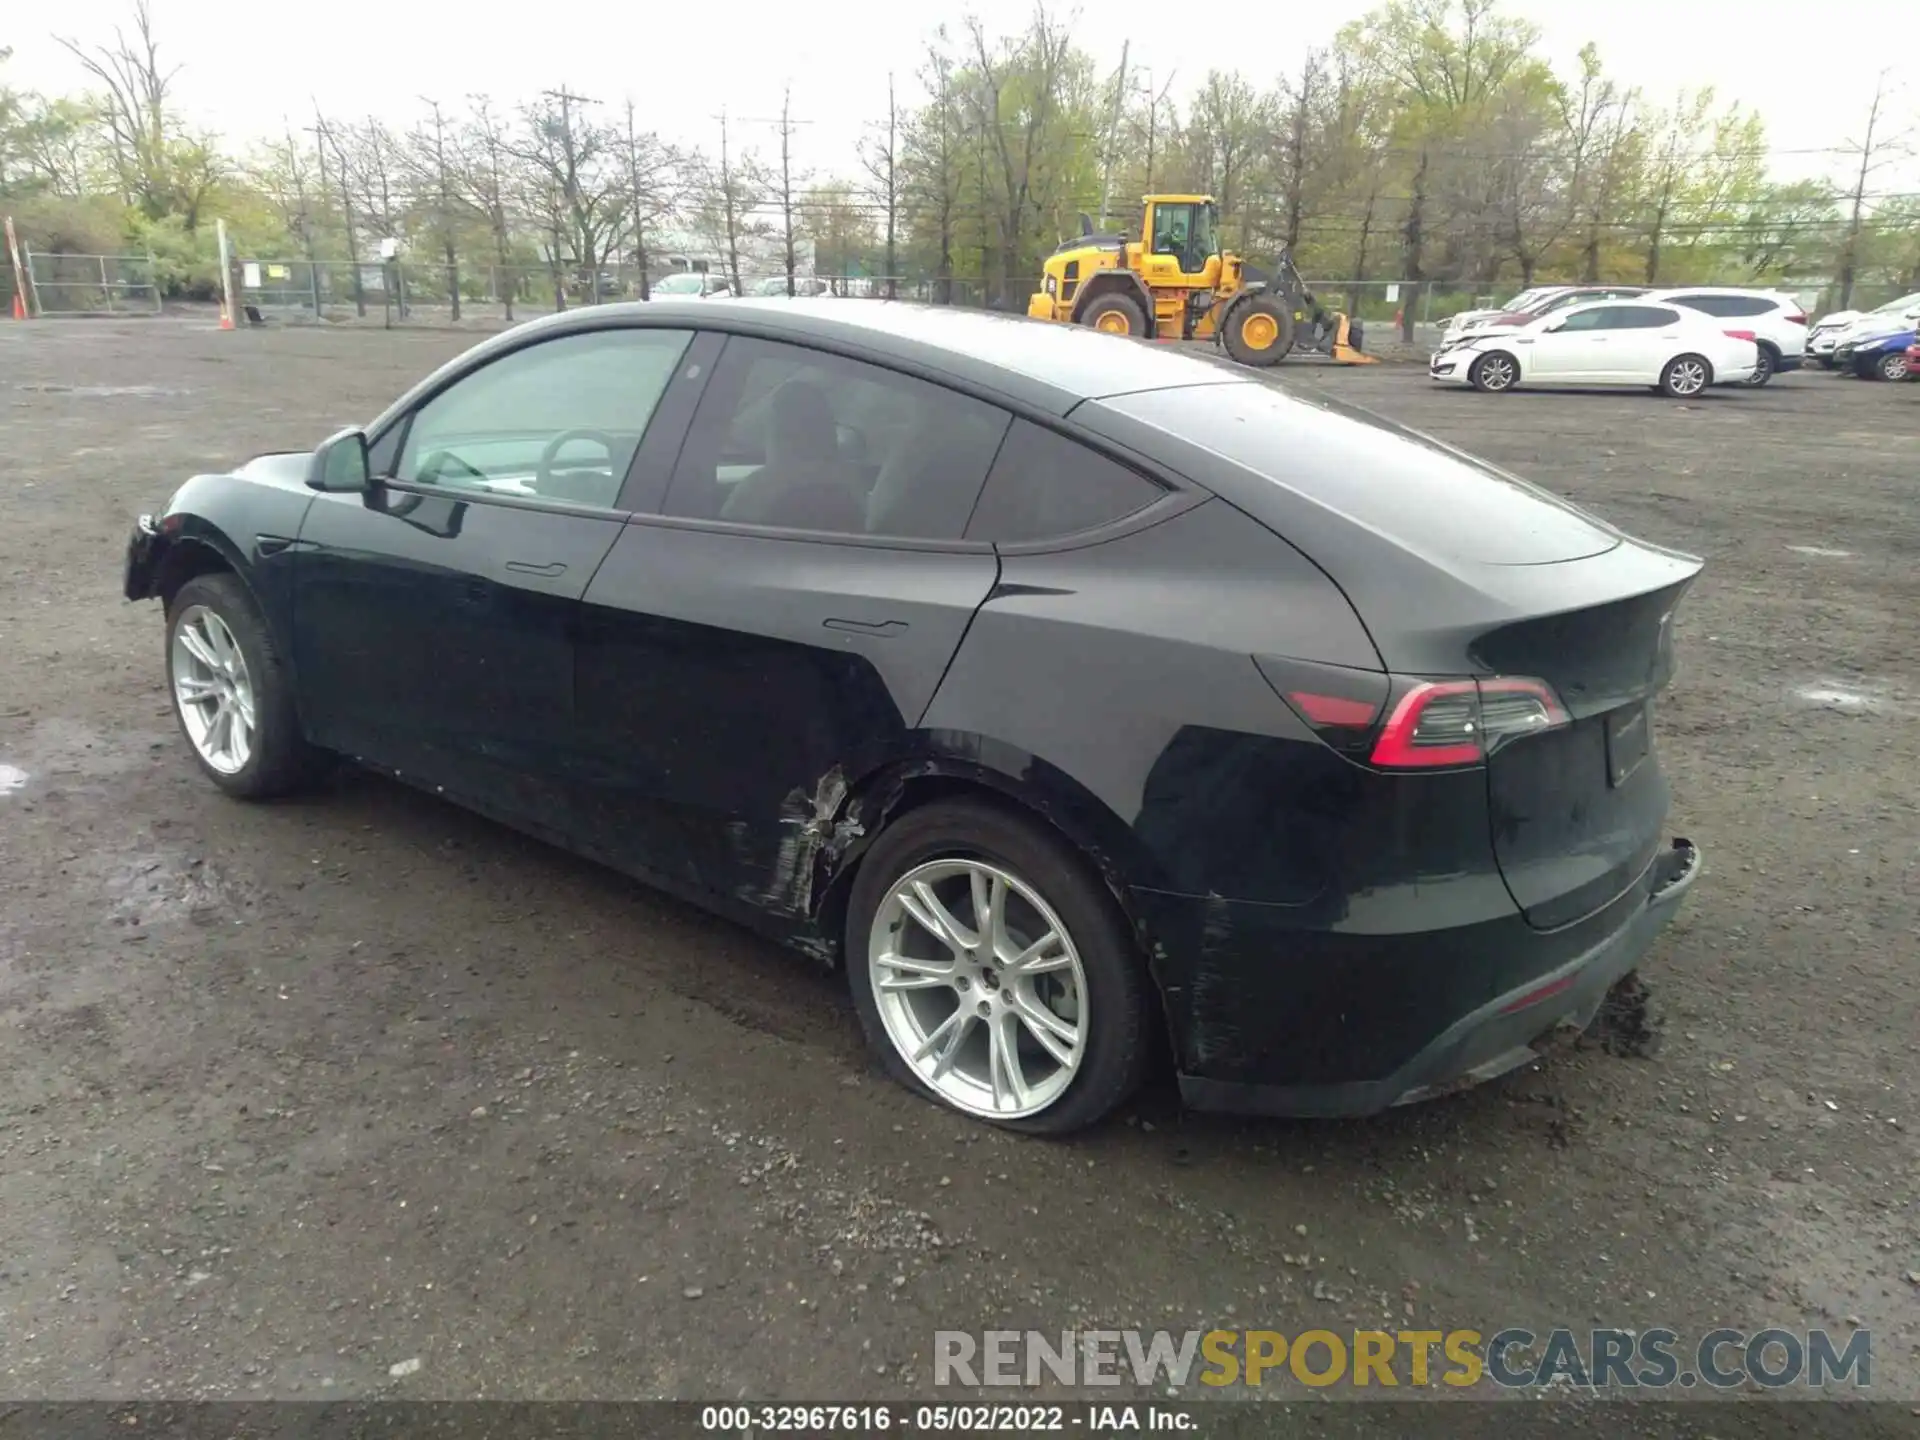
{"x":1047,"y":366}
{"x":1758,"y":291}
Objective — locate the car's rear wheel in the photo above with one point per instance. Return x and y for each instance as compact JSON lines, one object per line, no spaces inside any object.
{"x":231,"y":694}
{"x":1892,"y":365}
{"x":993,"y":971}
{"x":1765,"y":366}
{"x":1685,"y":376}
{"x":1494,"y":372}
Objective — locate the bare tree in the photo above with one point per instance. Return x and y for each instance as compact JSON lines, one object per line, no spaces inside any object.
{"x":483,"y":169}
{"x":1016,"y":97}
{"x":429,"y":151}
{"x":786,"y":188}
{"x":327,"y":140}
{"x":881,"y":159}
{"x":933,"y":155}
{"x":649,"y":166}
{"x":1876,"y":149}
{"x":135,"y":103}
{"x":581,"y":195}
{"x":733,"y":188}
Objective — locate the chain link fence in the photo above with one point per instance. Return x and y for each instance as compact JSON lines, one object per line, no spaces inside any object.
{"x":77,"y":285}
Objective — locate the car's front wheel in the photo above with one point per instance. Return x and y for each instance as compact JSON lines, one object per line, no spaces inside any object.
{"x":1494,"y":372}
{"x":993,"y":971}
{"x":231,"y":694}
{"x":1892,"y":365}
{"x":1685,"y":376}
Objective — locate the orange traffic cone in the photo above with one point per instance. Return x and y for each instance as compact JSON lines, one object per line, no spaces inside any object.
{"x":226,"y":318}
{"x":19,"y":307}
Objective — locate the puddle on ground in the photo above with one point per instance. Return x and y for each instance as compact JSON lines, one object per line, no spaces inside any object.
{"x":1839,"y":697}
{"x":1821,"y":551}
{"x":12,"y":778}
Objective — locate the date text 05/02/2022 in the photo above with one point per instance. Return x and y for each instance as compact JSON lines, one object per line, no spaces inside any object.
{"x":940,"y":1419}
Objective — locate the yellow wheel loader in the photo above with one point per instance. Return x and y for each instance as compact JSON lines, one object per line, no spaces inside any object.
{"x":1174,"y":283}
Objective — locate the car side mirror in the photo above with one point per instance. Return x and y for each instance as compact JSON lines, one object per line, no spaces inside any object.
{"x":340,"y":463}
{"x":1553,"y":325}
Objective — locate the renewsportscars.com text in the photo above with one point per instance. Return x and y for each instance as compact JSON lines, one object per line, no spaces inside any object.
{"x":1513,"y":1358}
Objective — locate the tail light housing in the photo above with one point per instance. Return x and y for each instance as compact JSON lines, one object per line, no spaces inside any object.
{"x":1746,"y":335}
{"x":1435,"y":724}
{"x":1397,"y":722}
{"x":1797,"y":318}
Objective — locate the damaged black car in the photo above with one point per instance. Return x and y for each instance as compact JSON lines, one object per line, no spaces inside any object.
{"x":1079,"y":697}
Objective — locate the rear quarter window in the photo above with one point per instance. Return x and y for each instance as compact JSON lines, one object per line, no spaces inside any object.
{"x":1044,"y":486}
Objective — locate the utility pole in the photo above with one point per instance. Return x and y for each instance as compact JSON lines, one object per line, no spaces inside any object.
{"x":1113,"y":134}
{"x":727,"y":207}
{"x":1154,"y":101}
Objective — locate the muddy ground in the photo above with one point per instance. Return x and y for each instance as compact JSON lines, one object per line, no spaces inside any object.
{"x":300,"y":1093}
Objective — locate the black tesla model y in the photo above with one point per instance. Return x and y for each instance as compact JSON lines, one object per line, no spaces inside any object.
{"x":1069,"y":691}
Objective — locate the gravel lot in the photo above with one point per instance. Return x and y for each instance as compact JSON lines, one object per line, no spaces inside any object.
{"x":300,"y":1093}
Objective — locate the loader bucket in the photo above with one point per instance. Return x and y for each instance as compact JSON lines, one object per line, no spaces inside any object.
{"x":1347,"y":338}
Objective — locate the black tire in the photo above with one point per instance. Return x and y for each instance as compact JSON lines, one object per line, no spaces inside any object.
{"x":1676,"y":380}
{"x":1253,"y":320}
{"x":1892,"y":365}
{"x":1117,"y":1005}
{"x":1494,"y":373}
{"x":281,"y":760}
{"x":1766,"y":368}
{"x":1116,"y":307}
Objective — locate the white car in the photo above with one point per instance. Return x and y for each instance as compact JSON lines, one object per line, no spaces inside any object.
{"x":1522,"y":303}
{"x":1778,"y":322}
{"x":1676,"y":351}
{"x":1829,"y":330}
{"x":691,"y":284}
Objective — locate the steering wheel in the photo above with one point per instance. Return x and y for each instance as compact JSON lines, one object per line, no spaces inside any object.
{"x":547,"y":471}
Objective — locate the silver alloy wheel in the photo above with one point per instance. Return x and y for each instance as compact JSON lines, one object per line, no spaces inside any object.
{"x":1762,"y":368}
{"x":213,"y":690}
{"x":1688,"y":376}
{"x":1893,"y":366}
{"x":1497,"y":372}
{"x":979,"y":987}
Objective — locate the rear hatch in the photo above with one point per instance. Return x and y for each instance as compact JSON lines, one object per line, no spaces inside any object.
{"x":1579,"y":810}
{"x":1458,"y":568}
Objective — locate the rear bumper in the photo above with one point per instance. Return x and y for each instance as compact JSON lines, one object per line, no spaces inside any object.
{"x":1505,"y":1030}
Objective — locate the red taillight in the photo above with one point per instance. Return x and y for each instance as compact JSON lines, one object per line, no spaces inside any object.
{"x":1796,"y":319}
{"x":1746,"y":335}
{"x":1440,"y":723}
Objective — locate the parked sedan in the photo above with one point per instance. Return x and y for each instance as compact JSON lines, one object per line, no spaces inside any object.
{"x":1064,"y":691}
{"x":1677,"y":351}
{"x":1875,"y":352}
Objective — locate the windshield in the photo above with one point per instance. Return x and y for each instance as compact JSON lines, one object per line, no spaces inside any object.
{"x":1895,"y":307}
{"x":1525,"y":298}
{"x":682,"y":284}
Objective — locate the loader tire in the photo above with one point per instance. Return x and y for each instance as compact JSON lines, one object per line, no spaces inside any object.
{"x":1259,"y":332}
{"x":1116,"y":315}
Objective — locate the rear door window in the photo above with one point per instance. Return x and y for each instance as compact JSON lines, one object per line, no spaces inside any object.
{"x":806,"y":440}
{"x":1045,"y":486}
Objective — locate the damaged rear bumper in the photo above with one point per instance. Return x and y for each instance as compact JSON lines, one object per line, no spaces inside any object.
{"x":1515,"y":1025}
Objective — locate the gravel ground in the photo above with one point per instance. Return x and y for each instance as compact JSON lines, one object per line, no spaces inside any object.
{"x":301,"y":1094}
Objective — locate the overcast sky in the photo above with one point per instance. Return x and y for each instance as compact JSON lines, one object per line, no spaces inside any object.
{"x":1808,"y":69}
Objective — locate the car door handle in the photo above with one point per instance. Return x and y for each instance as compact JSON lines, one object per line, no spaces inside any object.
{"x":545,"y":572}
{"x":868,"y":627}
